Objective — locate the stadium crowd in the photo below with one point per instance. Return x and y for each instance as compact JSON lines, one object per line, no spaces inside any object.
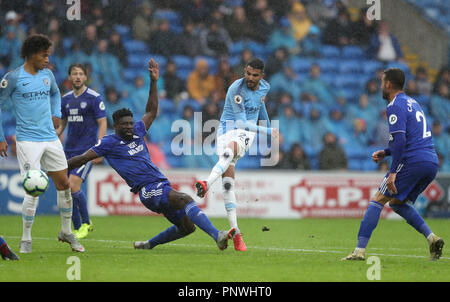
{"x":324,"y":68}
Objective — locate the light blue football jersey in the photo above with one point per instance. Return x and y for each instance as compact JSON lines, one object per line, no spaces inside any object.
{"x":35,"y":99}
{"x":245,"y":105}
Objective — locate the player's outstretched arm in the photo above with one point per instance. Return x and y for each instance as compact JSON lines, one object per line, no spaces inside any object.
{"x":151,"y":109}
{"x":78,"y":161}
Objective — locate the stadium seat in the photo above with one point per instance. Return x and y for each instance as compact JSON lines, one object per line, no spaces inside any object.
{"x":354,"y":164}
{"x":183,"y":73}
{"x":136,"y":46}
{"x":370,"y":66}
{"x":328,"y":65}
{"x":300,"y":64}
{"x":330,"y":51}
{"x":347,"y":81}
{"x":131,"y":73}
{"x":350,"y":66}
{"x":167,"y":106}
{"x":352,"y":52}
{"x":123,"y":30}
{"x":183,"y":62}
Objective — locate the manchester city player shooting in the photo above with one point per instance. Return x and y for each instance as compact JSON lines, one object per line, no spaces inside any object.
{"x":414,"y":166}
{"x":36,"y":101}
{"x":244,"y":105}
{"x":127,"y":153}
{"x":84,"y":112}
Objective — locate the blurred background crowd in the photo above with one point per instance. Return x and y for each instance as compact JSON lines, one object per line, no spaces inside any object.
{"x":324,"y":61}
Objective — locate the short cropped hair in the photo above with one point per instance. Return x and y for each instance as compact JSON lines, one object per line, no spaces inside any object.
{"x":118,"y":114}
{"x":77,"y":65}
{"x":256,"y":63}
{"x":34,"y":44}
{"x":396,"y":76}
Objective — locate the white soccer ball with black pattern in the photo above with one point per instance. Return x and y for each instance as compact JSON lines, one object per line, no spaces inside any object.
{"x":35,"y":182}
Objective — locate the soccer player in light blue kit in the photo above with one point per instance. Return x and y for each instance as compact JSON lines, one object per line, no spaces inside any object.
{"x":84,"y":112}
{"x":36,"y":101}
{"x":244,"y":105}
{"x":127,"y":153}
{"x":414,"y":165}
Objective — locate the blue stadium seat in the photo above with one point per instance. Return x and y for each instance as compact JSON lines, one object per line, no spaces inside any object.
{"x":236,"y":48}
{"x":369,"y":165}
{"x":137,"y":60}
{"x":183,"y":62}
{"x":330,"y":51}
{"x":136,"y":46}
{"x":169,"y":15}
{"x":347,"y":81}
{"x":300,"y":64}
{"x":123,"y":30}
{"x":328,"y":65}
{"x":352,"y":52}
{"x":167,"y":106}
{"x":131,"y":73}
{"x":354,"y":164}
{"x":350,"y":66}
{"x":193,"y":103}
{"x":183,"y":73}
{"x":370,"y":66}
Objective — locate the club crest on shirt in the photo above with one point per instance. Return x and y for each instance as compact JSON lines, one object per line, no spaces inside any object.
{"x":101,"y":106}
{"x":83,"y":105}
{"x":4,"y":83}
{"x":46,"y":82}
{"x":237,"y":99}
{"x":392,"y":119}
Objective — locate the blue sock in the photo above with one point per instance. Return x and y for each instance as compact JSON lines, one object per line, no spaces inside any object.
{"x":200,"y":219}
{"x":82,"y":205}
{"x":369,"y":223}
{"x":76,"y":220}
{"x":171,"y":234}
{"x":410,"y":214}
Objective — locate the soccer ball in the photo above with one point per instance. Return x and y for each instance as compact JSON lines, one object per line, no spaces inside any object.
{"x":35,"y":182}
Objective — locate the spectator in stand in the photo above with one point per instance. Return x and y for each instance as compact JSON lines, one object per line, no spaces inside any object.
{"x":284,"y":37}
{"x":411,"y":88}
{"x":215,"y":40}
{"x":13,"y":19}
{"x":164,"y":40}
{"x":138,"y":97}
{"x":384,"y":46}
{"x":9,"y":47}
{"x":441,"y":140}
{"x":117,"y":49}
{"x":254,"y":9}
{"x":374,"y":94}
{"x":161,"y":129}
{"x":173,"y":85}
{"x":97,"y":18}
{"x":90,"y":39}
{"x":286,"y":81}
{"x":314,"y":129}
{"x":112,"y":103}
{"x":381,"y":132}
{"x":200,"y":84}
{"x":332,"y":156}
{"x":299,"y":20}
{"x":440,"y":105}
{"x":275,"y":62}
{"x":339,"y":31}
{"x":189,"y":40}
{"x":320,"y":15}
{"x":289,"y":126}
{"x":365,"y":110}
{"x":107,"y":65}
{"x":339,"y":126}
{"x":283,"y":160}
{"x":238,"y":26}
{"x":442,"y":77}
{"x":311,"y":45}
{"x":196,"y":10}
{"x":363,"y":29}
{"x":297,"y":158}
{"x":316,"y":86}
{"x":143,"y":25}
{"x":246,"y":55}
{"x":224,"y":77}
{"x":424,"y":85}
{"x":360,"y":138}
{"x":265,"y":26}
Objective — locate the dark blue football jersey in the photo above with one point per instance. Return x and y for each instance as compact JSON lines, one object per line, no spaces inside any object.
{"x":82,"y":113}
{"x":130,"y":159}
{"x":405,"y":115}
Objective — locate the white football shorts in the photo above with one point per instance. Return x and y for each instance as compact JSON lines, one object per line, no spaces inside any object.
{"x":243,"y":138}
{"x":48,"y":156}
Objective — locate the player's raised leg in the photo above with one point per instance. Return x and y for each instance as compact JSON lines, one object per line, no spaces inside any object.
{"x":80,"y":215}
{"x":225,"y":158}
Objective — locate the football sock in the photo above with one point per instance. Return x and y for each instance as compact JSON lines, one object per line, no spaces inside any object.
{"x":82,"y":205}
{"x":29,"y":206}
{"x":2,"y":241}
{"x":64,"y":201}
{"x":369,"y":223}
{"x":230,"y":201}
{"x":220,"y":167}
{"x":200,"y":219}
{"x":412,"y":217}
{"x":76,"y":218}
{"x":170,"y":234}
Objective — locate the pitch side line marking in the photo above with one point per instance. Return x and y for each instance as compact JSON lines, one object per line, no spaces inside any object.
{"x":250,"y":247}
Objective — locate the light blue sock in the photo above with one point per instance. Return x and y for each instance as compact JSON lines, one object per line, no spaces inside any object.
{"x":170,"y":234}
{"x":369,"y":223}
{"x":200,"y":219}
{"x":412,"y":217}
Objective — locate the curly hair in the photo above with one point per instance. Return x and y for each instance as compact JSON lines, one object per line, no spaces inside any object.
{"x":118,"y":114}
{"x":34,"y":44}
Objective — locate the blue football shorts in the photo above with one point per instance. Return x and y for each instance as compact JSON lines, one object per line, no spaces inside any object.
{"x":82,"y":171}
{"x":155,"y":197}
{"x":411,"y":180}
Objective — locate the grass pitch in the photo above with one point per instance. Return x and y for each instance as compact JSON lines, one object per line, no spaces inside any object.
{"x":291,"y":251}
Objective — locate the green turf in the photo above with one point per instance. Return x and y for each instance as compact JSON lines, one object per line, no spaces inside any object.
{"x":292,"y":250}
